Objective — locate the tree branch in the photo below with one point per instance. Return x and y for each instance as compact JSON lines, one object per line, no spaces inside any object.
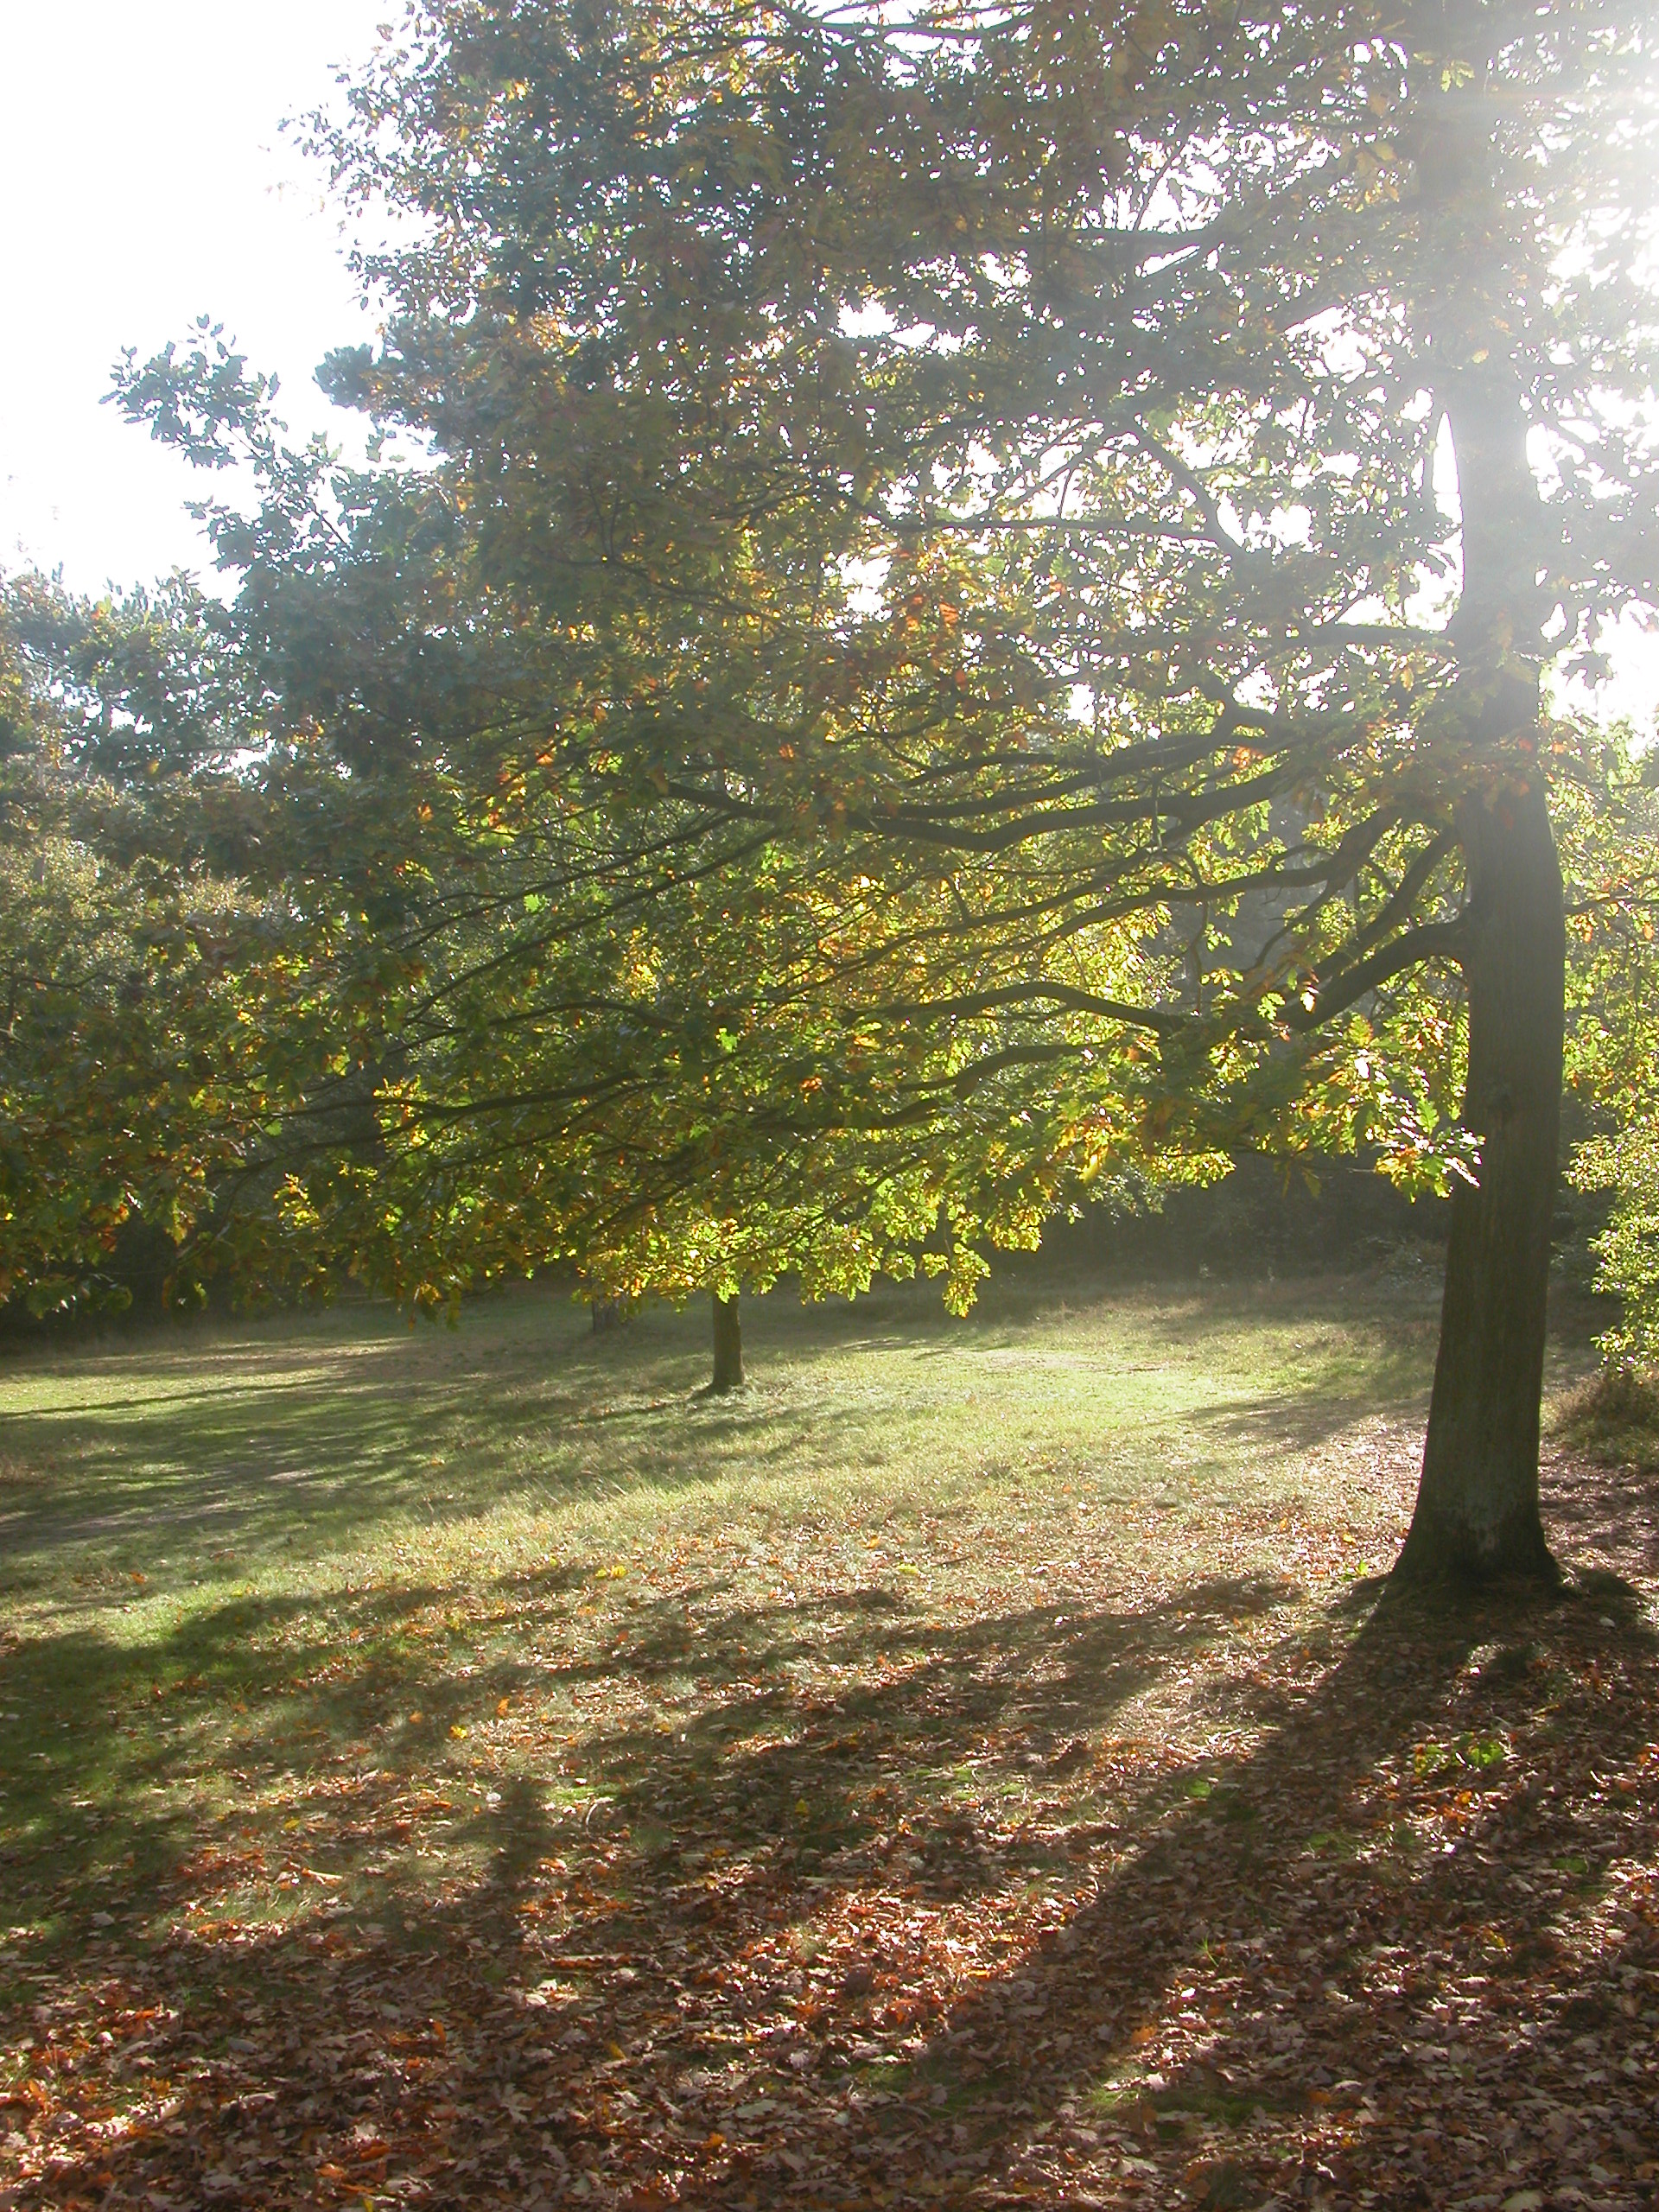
{"x":1434,"y":940}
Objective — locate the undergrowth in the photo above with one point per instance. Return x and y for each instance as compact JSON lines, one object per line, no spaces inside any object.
{"x":1614,"y":1418}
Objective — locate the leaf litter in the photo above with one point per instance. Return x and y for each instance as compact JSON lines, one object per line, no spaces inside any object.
{"x":867,"y":1867}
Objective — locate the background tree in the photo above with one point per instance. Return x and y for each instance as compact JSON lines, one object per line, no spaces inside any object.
{"x":1613,"y":1048}
{"x":131,"y":1082}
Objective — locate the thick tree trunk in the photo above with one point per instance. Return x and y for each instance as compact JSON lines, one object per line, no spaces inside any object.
{"x":1478,"y":1500}
{"x":728,"y":1345}
{"x":1477,"y":1512}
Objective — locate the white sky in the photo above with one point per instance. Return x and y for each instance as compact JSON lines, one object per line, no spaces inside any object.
{"x":144,"y":182}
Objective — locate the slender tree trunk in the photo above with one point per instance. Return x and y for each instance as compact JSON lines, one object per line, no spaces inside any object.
{"x":728,"y":1345}
{"x":1476,"y":1511}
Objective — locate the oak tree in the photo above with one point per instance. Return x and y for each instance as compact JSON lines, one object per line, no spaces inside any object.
{"x":1050,"y":526}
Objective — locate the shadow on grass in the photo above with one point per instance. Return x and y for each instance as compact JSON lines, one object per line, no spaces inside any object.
{"x":1239,"y":1949}
{"x":602,"y":1979}
{"x":266,"y":1694}
{"x":347,"y":1422}
{"x":331,"y":1428}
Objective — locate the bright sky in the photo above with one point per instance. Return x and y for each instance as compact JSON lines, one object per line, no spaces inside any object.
{"x":144,"y":182}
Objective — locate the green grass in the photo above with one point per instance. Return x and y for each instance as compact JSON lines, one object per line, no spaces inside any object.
{"x":238,"y":1562}
{"x":479,"y":1664}
{"x":338,"y":1430}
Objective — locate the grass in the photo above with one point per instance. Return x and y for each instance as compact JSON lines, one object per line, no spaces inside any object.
{"x":347,"y":1426}
{"x":462,"y":1655}
{"x":251,"y":1551}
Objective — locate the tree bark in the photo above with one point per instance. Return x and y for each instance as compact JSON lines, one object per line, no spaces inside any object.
{"x":728,"y":1346}
{"x":1477,"y":1513}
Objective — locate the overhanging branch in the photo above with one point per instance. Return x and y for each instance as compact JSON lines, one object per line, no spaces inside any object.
{"x":1434,"y":940}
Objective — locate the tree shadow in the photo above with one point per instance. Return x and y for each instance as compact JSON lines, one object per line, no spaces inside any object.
{"x":834,"y":1900}
{"x":221,"y":1444}
{"x":126,"y":1895}
{"x":922,"y":1929}
{"x":1277,"y":1956}
{"x":1607,"y":1516}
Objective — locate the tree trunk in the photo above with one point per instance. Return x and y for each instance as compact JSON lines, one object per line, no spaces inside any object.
{"x":1475,"y":1507}
{"x":728,"y":1345}
{"x":1477,"y":1512}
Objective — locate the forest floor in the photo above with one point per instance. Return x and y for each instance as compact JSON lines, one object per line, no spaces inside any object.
{"x":976,"y":1766}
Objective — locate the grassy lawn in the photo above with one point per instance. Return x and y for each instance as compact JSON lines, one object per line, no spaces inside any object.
{"x":970,"y":1766}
